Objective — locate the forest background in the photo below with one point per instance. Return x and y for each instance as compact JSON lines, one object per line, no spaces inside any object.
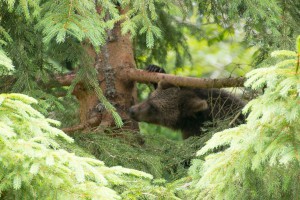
{"x":44,"y":43}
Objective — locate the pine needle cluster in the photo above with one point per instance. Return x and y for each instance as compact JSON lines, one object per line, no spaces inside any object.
{"x":269,"y":24}
{"x":262,"y":160}
{"x":32,"y":164}
{"x":5,"y":63}
{"x":163,"y":158}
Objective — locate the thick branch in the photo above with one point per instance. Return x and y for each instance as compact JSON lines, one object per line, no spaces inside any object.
{"x":63,"y":80}
{"x":146,"y":77}
{"x":142,"y":76}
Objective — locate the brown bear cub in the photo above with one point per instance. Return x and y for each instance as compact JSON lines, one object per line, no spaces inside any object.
{"x":186,"y":109}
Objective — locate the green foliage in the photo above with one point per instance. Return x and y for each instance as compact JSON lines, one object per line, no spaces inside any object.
{"x":39,"y":37}
{"x":5,"y":63}
{"x":143,"y":16}
{"x":152,"y":130}
{"x":32,"y":165}
{"x":270,"y":24}
{"x":90,"y":76}
{"x":114,"y":150}
{"x":262,"y":160}
{"x":67,"y":114}
{"x":157,"y":155}
{"x":221,"y":58}
{"x":24,"y":47}
{"x":169,"y":28}
{"x":78,"y":19}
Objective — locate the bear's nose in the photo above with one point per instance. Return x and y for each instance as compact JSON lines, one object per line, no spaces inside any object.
{"x":131,"y":111}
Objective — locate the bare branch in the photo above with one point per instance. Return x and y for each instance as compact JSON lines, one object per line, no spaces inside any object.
{"x":142,"y":76}
{"x":147,"y":77}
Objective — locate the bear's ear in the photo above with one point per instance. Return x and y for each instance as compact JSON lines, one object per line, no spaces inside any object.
{"x":162,"y":85}
{"x":195,"y":104}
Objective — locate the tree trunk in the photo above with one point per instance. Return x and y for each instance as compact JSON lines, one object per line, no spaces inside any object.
{"x":115,"y":55}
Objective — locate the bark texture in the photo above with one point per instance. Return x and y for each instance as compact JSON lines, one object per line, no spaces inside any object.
{"x":115,"y":55}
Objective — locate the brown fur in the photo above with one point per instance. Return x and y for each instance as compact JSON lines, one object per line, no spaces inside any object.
{"x":186,"y":109}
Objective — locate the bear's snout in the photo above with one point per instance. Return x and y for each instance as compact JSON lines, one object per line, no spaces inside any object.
{"x":139,"y":112}
{"x":135,"y":112}
{"x":132,"y":112}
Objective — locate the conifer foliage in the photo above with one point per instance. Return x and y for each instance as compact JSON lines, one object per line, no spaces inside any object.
{"x":262,"y":160}
{"x":33,"y":166}
{"x":5,"y":63}
{"x":37,"y":39}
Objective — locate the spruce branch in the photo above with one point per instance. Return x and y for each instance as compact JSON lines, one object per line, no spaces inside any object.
{"x":32,"y":161}
{"x":5,"y":63}
{"x":259,"y":151}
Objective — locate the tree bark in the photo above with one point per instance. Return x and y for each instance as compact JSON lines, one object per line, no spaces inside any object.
{"x":117,"y":53}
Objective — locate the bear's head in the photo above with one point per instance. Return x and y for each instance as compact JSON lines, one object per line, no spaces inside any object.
{"x":167,"y":105}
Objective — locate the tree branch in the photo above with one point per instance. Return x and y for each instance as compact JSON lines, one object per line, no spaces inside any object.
{"x":142,"y":76}
{"x":147,"y":77}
